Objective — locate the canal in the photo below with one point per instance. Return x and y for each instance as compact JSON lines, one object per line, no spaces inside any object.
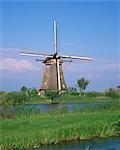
{"x":101,"y":144}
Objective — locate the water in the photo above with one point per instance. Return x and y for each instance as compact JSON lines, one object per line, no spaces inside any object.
{"x":51,"y":107}
{"x":101,"y":144}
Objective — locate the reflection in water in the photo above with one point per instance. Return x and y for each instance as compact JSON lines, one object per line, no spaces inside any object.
{"x":103,"y":144}
{"x":71,"y":106}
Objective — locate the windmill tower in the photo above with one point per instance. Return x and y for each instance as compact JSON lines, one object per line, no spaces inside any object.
{"x":53,"y":78}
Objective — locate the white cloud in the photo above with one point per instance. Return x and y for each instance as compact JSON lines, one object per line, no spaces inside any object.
{"x":12,"y":64}
{"x":10,"y":49}
{"x":93,"y":70}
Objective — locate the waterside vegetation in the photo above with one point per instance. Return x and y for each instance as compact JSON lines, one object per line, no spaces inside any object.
{"x":30,"y":96}
{"x":32,"y":129}
{"x":27,"y":128}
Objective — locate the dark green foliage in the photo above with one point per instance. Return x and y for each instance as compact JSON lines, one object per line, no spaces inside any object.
{"x":52,"y":94}
{"x":11,"y":111}
{"x":15,"y":98}
{"x":1,"y":96}
{"x":23,"y":96}
{"x":82,"y":84}
{"x":112,"y":93}
{"x":6,"y":111}
{"x":32,"y":92}
{"x":72,"y":91}
{"x":8,"y":100}
{"x":24,"y":90}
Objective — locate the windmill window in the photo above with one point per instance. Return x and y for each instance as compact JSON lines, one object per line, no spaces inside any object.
{"x":63,"y":86}
{"x":45,"y":83}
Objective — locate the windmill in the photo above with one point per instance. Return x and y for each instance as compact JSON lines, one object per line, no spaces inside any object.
{"x":53,"y":78}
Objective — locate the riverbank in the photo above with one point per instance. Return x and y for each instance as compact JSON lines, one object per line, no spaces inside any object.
{"x":27,"y":98}
{"x":64,"y":99}
{"x":35,"y":129}
{"x":109,"y":143}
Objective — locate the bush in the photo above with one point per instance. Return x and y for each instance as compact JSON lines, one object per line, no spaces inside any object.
{"x":51,"y":94}
{"x":72,"y":91}
{"x":15,"y":98}
{"x":32,"y":92}
{"x":6,"y":111}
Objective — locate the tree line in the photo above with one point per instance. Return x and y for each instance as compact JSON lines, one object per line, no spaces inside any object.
{"x":27,"y":94}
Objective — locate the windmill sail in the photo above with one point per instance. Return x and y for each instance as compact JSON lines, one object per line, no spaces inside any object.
{"x":76,"y":57}
{"x":58,"y":75}
{"x":55,"y":37}
{"x":35,"y":54}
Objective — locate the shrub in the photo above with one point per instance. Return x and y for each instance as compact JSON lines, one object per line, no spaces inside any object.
{"x":6,"y":111}
{"x":73,"y":91}
{"x":32,"y":92}
{"x":24,"y":90}
{"x":15,"y":98}
{"x":52,"y":94}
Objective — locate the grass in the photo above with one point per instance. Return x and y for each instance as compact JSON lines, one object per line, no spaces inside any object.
{"x":19,"y":97}
{"x":66,"y":99}
{"x":32,"y":130}
{"x":40,"y":100}
{"x":35,"y":130}
{"x":72,"y":99}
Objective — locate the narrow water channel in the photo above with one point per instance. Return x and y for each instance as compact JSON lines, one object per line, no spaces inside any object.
{"x":101,"y":144}
{"x":70,"y":106}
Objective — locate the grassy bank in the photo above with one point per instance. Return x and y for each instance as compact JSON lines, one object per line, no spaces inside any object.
{"x":66,"y":99}
{"x":32,"y":130}
{"x":54,"y":97}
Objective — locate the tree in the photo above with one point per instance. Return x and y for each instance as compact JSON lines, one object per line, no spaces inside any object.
{"x":24,"y":90}
{"x":82,"y":84}
{"x":32,"y":92}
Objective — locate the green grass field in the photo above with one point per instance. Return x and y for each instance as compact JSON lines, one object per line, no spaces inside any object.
{"x":32,"y":130}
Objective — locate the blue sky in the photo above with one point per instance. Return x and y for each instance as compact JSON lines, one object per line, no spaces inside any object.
{"x":85,"y":28}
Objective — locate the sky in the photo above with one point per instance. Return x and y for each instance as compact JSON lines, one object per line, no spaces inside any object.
{"x":85,"y":28}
